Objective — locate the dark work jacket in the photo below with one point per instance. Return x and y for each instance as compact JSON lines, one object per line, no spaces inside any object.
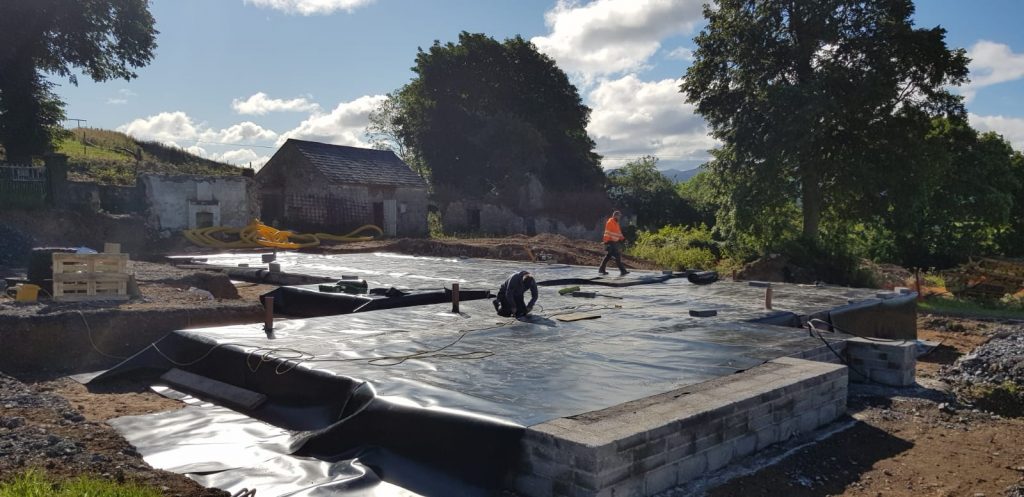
{"x":513,"y":289}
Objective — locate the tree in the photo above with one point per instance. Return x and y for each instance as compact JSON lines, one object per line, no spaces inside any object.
{"x":385,"y":132}
{"x":641,"y":188}
{"x":818,"y":104}
{"x":958,"y":208}
{"x":105,"y":39}
{"x":482,"y":114}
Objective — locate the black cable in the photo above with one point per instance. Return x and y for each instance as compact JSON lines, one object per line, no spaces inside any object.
{"x":813,"y":331}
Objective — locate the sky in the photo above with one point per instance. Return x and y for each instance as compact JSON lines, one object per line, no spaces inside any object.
{"x":233,"y":79}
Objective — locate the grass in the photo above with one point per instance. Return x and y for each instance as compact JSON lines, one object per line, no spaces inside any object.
{"x":34,"y":483}
{"x":115,"y":158}
{"x":959,"y":307}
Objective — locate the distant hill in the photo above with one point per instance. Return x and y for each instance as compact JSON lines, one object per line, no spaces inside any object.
{"x":678,"y":175}
{"x":112,"y":157}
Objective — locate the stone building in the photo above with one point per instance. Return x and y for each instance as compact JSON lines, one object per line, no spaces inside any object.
{"x":316,"y":187}
{"x":531,"y":210}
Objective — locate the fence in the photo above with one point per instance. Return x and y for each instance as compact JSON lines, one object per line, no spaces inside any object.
{"x":22,"y":186}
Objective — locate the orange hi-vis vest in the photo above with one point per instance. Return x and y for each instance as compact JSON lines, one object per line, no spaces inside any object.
{"x":612,"y":232}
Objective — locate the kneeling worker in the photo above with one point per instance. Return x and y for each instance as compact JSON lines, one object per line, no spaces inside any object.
{"x":510,"y":296}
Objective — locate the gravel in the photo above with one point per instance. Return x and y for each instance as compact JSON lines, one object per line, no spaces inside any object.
{"x":39,"y":429}
{"x":992,"y":376}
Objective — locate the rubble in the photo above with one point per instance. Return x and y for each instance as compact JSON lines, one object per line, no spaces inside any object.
{"x":992,"y":376}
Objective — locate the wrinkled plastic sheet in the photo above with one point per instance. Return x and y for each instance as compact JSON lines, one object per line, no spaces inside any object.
{"x":433,"y":402}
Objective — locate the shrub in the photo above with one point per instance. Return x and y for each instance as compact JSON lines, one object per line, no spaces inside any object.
{"x":677,"y":247}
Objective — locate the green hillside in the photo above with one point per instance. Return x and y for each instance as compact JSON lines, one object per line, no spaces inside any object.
{"x":115,"y":158}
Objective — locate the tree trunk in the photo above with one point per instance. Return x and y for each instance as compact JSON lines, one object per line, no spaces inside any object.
{"x":812,"y":200}
{"x":23,"y":132}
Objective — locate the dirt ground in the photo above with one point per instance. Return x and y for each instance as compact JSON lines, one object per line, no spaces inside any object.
{"x":907,"y":442}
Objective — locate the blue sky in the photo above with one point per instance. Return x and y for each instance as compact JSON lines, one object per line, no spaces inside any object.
{"x":232,"y":79}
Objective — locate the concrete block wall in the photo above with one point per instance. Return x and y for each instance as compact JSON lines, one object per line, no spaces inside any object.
{"x":654,"y":444}
{"x":889,"y":362}
{"x":823,"y":353}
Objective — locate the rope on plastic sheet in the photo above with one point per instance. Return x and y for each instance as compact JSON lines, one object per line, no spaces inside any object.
{"x":245,"y":492}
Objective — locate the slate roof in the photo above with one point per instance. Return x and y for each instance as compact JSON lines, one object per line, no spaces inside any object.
{"x":361,"y":166}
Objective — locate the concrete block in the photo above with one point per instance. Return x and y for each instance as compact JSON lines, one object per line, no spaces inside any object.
{"x":642,"y":466}
{"x":767,"y":436}
{"x":649,"y":449}
{"x":826,"y":414}
{"x":692,"y":467}
{"x":746,"y":445}
{"x":807,"y":421}
{"x":787,"y":428}
{"x":720,"y":455}
{"x":660,"y":479}
{"x":755,"y":424}
{"x":893,"y":378}
{"x":630,"y":442}
{"x":610,"y":477}
{"x":587,"y":481}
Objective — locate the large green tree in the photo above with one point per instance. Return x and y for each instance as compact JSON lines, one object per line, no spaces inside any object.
{"x":960,"y":207}
{"x":643,"y":190}
{"x":818,"y":104}
{"x":481,"y":114}
{"x":104,"y":39}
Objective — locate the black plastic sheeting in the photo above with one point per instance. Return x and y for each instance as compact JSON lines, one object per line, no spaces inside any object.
{"x":433,"y":402}
{"x":310,"y":302}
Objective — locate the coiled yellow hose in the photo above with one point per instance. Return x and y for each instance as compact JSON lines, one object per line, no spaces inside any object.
{"x":257,"y":235}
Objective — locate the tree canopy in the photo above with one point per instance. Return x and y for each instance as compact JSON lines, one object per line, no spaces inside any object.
{"x":481,"y":115}
{"x":642,"y":189}
{"x":104,"y":39}
{"x":819,"y":105}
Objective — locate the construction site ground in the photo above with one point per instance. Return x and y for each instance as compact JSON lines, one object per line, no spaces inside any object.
{"x":918,"y":441}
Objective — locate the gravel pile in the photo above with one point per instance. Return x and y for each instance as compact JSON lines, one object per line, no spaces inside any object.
{"x":42,"y":430}
{"x":14,"y":247}
{"x":992,"y":376}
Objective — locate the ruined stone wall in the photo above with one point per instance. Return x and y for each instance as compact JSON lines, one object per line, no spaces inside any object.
{"x":173,"y":201}
{"x":461,"y":217}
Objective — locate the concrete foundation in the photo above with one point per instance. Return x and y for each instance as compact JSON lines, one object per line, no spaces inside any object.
{"x":654,"y":444}
{"x":882,"y":361}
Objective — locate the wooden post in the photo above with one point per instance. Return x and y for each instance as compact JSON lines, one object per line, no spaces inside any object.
{"x":768,"y":298}
{"x":268,"y":316}
{"x":455,"y":298}
{"x":917,"y":283}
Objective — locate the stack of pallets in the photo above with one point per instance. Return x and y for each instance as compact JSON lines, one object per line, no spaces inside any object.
{"x":87,"y":277}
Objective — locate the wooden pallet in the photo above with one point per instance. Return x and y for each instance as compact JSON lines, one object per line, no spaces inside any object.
{"x":87,"y":277}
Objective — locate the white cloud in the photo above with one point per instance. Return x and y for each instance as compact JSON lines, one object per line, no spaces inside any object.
{"x":613,"y":36}
{"x":681,"y":53}
{"x":238,"y":133}
{"x":311,"y":7}
{"x":116,"y":101}
{"x":992,"y":63}
{"x":631,"y":118}
{"x":1012,"y":128}
{"x":342,"y":126}
{"x":177,"y":127}
{"x":165,"y":127}
{"x":259,"y":104}
{"x":242,"y":157}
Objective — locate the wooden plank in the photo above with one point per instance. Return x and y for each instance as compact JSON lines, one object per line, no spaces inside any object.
{"x":577,"y":316}
{"x":90,"y":298}
{"x":91,"y":277}
{"x":226,"y":393}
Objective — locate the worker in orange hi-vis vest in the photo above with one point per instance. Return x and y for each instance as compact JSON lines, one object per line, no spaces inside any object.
{"x":613,"y":243}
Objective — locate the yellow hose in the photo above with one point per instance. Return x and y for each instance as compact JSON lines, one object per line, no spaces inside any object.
{"x":257,"y":235}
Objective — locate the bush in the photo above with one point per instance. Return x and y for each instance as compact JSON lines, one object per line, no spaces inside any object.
{"x":677,"y":247}
{"x":34,"y":483}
